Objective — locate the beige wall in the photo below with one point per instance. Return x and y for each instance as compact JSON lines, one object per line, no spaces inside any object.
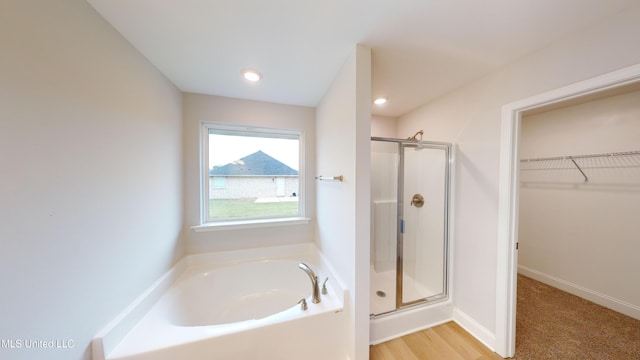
{"x":471,"y":118}
{"x":343,"y":148}
{"x":91,"y":159}
{"x":584,"y":235}
{"x":384,"y":126}
{"x":197,"y":108}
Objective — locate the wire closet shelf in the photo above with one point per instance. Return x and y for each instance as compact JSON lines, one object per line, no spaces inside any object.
{"x":615,"y":167}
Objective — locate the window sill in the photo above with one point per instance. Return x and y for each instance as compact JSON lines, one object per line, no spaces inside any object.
{"x":249,"y":224}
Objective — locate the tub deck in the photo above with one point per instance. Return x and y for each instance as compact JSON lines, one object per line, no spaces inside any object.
{"x":315,"y":333}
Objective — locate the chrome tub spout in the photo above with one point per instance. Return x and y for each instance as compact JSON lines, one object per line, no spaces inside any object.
{"x":314,"y":282}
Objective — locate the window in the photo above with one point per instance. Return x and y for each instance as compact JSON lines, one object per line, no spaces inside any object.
{"x":219,"y":182}
{"x":251,"y":174}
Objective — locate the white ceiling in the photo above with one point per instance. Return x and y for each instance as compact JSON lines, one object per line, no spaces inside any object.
{"x":421,"y":49}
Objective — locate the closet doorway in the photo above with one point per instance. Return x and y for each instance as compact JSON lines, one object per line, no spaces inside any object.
{"x":579,"y":201}
{"x":507,"y":257}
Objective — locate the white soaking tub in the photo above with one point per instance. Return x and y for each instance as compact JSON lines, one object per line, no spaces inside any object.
{"x":233,"y":305}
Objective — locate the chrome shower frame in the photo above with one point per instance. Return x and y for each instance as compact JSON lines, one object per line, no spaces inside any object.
{"x":447,"y":148}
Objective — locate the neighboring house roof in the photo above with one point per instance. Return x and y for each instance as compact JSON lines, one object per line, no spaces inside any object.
{"x":256,"y":164}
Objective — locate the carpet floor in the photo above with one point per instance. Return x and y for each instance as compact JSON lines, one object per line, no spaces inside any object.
{"x":553,"y":324}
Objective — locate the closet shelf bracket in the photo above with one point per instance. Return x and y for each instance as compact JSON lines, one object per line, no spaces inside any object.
{"x":586,"y":179}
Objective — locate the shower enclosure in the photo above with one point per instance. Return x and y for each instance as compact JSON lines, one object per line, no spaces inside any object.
{"x":409,"y":223}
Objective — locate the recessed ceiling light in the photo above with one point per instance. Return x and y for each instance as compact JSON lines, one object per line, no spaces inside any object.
{"x":380,"y":101}
{"x":251,"y":75}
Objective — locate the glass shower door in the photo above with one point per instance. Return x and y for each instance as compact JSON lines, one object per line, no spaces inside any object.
{"x":421,"y":275}
{"x":409,"y":207}
{"x":385,"y":159}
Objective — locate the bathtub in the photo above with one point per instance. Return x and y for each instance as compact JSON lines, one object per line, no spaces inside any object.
{"x":233,"y":305}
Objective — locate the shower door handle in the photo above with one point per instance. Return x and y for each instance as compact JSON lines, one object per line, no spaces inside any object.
{"x":417,"y":200}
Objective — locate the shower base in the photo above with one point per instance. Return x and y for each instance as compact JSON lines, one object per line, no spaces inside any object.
{"x":385,"y":282}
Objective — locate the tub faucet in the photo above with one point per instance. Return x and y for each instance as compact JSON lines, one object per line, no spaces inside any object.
{"x":314,"y":282}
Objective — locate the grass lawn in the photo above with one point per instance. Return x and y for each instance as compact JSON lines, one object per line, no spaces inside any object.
{"x":237,"y":208}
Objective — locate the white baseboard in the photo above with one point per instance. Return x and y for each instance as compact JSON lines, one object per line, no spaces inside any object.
{"x":585,"y":293}
{"x":475,"y":329}
{"x":405,"y":322}
{"x":400,"y":324}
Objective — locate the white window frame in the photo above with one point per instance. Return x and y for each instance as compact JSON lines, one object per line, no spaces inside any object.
{"x":205,"y":223}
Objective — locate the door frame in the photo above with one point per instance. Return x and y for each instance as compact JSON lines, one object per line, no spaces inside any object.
{"x":507,"y":257}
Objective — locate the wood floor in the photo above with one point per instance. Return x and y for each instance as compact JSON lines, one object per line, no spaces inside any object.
{"x":444,"y":342}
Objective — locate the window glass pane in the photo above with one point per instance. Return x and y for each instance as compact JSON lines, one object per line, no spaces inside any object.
{"x":219,"y":182}
{"x":252,"y":175}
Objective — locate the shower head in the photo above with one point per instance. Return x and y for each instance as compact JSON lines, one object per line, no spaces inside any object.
{"x":415,"y":136}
